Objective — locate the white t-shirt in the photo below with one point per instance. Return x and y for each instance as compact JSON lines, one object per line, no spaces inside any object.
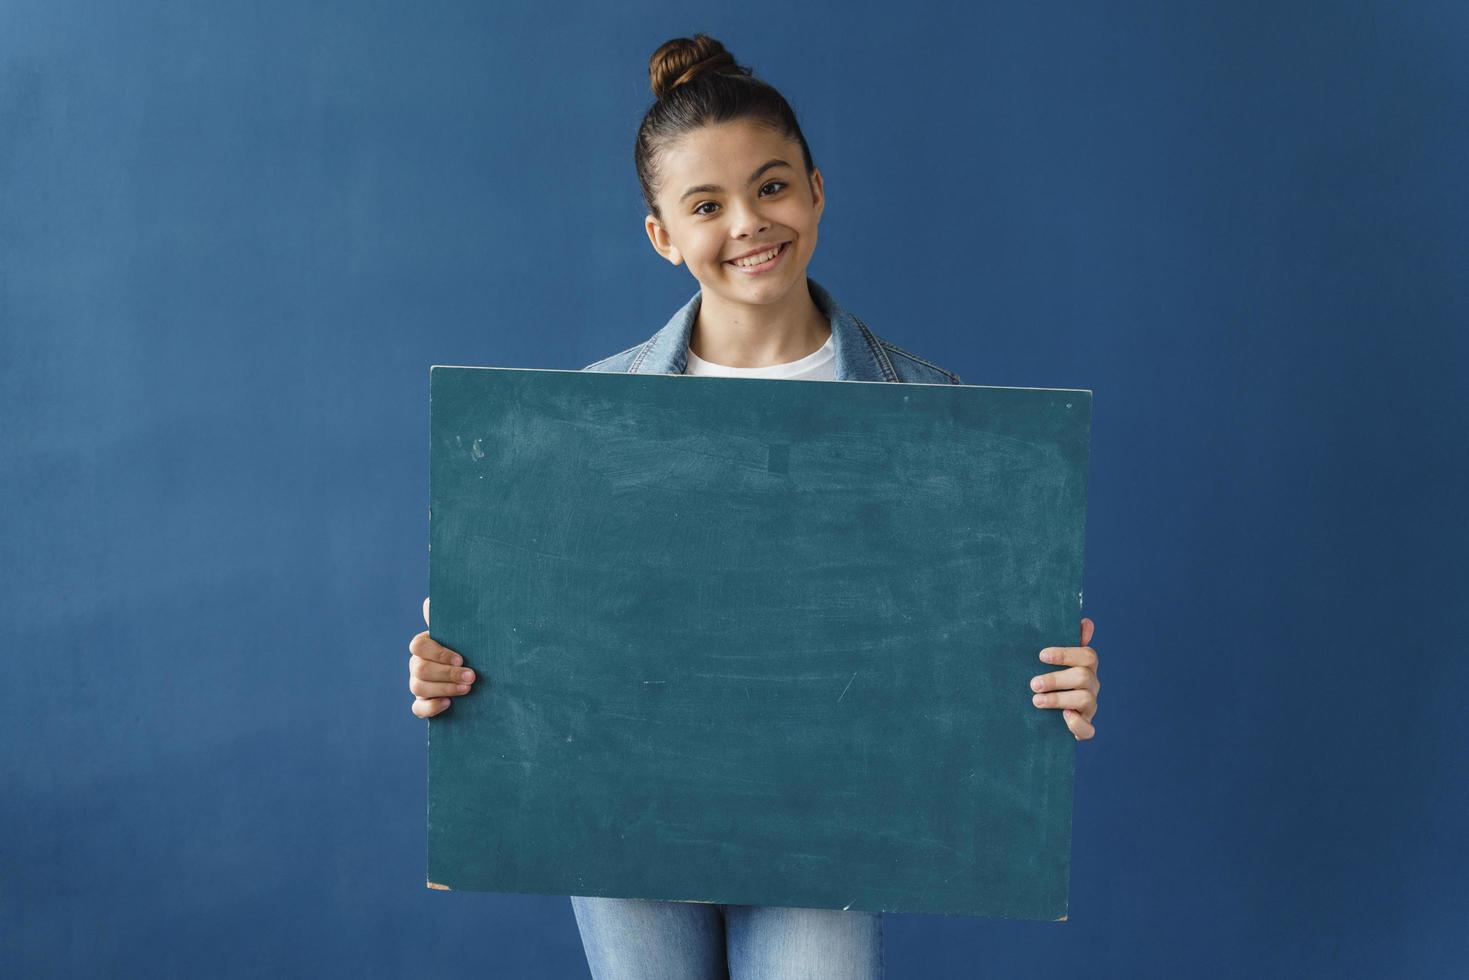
{"x":819,"y":365}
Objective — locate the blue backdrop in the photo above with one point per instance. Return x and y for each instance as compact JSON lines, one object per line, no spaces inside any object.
{"x":233,"y":238}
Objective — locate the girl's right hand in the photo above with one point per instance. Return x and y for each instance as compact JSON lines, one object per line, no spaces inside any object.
{"x":435,"y":673}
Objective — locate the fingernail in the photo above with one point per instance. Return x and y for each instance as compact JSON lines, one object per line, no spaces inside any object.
{"x":467,"y":677}
{"x":1039,"y":700}
{"x":463,"y":688}
{"x":1048,"y":656}
{"x":1035,"y":684}
{"x":458,"y":660}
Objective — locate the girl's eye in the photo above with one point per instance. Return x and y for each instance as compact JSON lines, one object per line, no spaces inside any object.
{"x":778,"y":184}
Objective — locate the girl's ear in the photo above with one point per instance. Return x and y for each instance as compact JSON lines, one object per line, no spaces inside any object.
{"x":662,"y":244}
{"x":818,"y":192}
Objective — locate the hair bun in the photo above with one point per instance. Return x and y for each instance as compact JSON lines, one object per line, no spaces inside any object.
{"x":681,"y":60}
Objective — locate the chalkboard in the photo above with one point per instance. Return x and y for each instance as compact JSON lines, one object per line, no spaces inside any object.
{"x":754,"y":641}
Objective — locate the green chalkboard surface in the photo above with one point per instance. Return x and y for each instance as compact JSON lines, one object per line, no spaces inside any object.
{"x":754,"y":641}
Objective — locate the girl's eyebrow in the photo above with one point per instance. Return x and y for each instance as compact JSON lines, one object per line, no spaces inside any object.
{"x":715,"y":189}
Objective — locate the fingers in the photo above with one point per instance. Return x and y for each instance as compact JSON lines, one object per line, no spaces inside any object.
{"x":1078,"y":706}
{"x":431,"y":680}
{"x":1071,"y":656}
{"x":426,"y":670}
{"x":435,"y":674}
{"x":427,"y":648}
{"x":1084,"y":701}
{"x":429,"y":689}
{"x":425,"y":615}
{"x":1067,"y":680}
{"x":428,"y":707}
{"x":1080,"y":727}
{"x":1075,"y":690}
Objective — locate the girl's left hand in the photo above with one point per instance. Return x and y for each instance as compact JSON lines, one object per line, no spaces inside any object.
{"x":1073,"y":690}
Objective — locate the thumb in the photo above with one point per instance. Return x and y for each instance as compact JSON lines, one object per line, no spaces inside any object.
{"x":425,"y":612}
{"x":1087,"y":627}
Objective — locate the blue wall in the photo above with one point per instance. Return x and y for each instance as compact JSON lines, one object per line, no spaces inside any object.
{"x":233,"y":240}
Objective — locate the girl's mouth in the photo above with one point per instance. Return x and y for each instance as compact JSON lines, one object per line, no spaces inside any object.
{"x":766,"y":266}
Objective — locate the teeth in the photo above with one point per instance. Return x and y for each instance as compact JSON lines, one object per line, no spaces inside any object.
{"x":757,"y":259}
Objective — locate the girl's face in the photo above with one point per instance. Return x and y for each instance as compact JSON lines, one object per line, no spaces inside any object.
{"x":731,"y":189}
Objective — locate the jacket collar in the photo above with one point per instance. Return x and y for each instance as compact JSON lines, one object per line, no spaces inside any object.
{"x":859,"y":355}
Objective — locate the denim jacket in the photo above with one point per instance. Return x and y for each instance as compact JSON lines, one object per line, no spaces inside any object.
{"x":861,"y":355}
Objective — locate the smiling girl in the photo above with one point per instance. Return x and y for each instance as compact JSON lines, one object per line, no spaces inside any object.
{"x":733,"y":194}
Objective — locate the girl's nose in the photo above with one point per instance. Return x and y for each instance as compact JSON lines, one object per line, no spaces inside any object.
{"x":747,"y":223}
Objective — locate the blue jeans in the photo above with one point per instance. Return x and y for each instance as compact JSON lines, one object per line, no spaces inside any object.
{"x":639,"y":939}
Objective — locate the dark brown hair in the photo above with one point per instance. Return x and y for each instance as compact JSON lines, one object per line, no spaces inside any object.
{"x":697,"y":82}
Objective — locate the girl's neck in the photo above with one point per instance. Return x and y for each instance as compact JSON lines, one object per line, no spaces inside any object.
{"x":738,"y":335}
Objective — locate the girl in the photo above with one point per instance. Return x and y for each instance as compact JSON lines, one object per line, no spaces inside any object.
{"x":732,"y":193}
